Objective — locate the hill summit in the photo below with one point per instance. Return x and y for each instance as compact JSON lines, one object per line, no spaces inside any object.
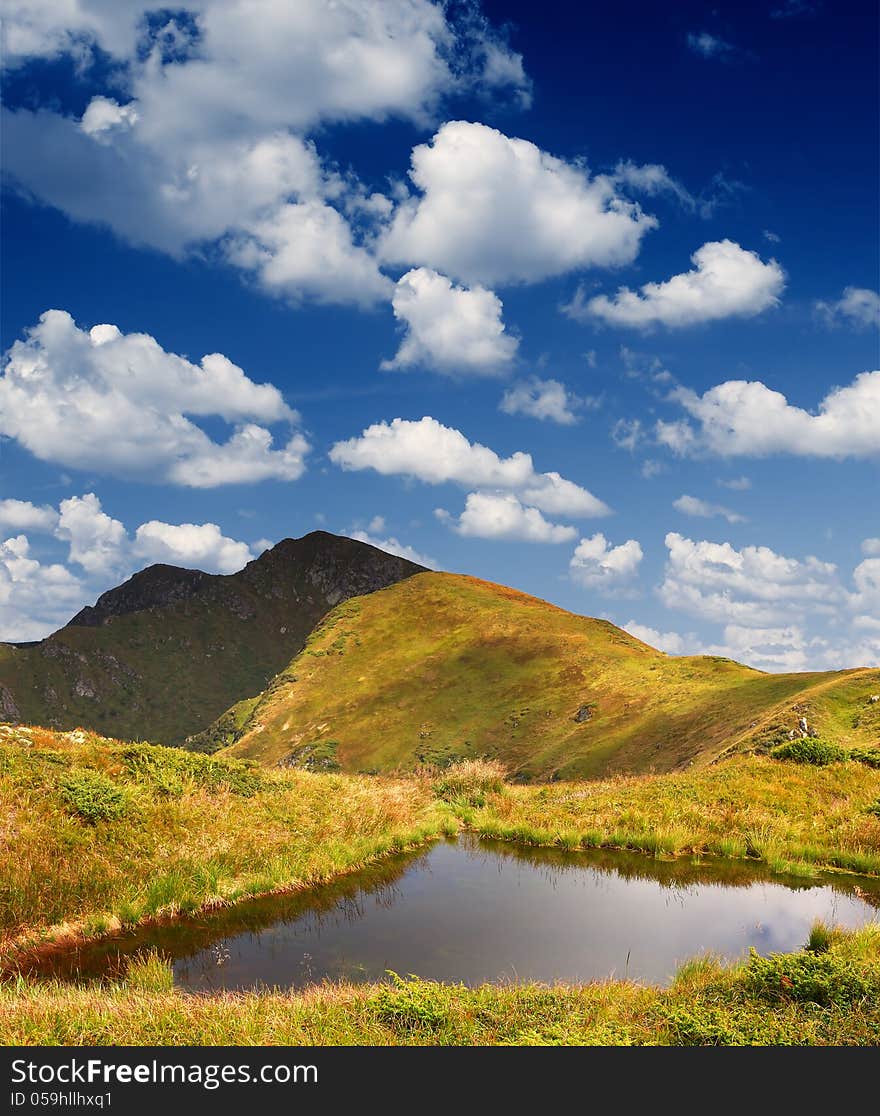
{"x":162,"y":655}
{"x":441,"y":667}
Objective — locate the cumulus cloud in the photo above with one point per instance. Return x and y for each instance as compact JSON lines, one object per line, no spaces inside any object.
{"x":726,"y":281}
{"x":735,"y":484}
{"x":703,"y":509}
{"x":274,"y":63}
{"x":747,"y":418}
{"x":202,"y":545}
{"x":773,"y":611}
{"x":500,"y":515}
{"x":431,"y":452}
{"x":207,"y":142}
{"x":547,"y":400}
{"x":857,"y":306}
{"x":871,"y":548}
{"x":35,"y":597}
{"x":22,"y":515}
{"x":392,"y":545}
{"x":118,"y":403}
{"x":451,"y":329}
{"x":670,"y":642}
{"x":596,"y":564}
{"x":754,"y":586}
{"x":492,"y":209}
{"x":96,"y":540}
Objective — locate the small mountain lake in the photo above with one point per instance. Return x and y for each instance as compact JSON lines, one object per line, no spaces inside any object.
{"x":476,"y":911}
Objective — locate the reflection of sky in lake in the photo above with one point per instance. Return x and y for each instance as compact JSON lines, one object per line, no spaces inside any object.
{"x":476,"y":913}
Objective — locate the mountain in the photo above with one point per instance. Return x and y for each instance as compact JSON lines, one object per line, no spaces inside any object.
{"x":164,"y":654}
{"x":440,"y":667}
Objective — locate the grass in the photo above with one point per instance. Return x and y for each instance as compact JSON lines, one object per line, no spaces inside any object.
{"x":794,"y":817}
{"x":822,"y":998}
{"x":441,"y":668}
{"x":98,"y":833}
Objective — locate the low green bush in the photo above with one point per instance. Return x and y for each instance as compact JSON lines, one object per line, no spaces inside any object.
{"x":810,"y":749}
{"x":92,"y":796}
{"x":170,"y":771}
{"x":818,"y":978}
{"x":870,"y":757}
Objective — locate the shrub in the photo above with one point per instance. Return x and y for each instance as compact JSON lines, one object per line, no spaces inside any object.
{"x":810,"y":749}
{"x":92,"y":796}
{"x":169,"y":771}
{"x":818,"y":978}
{"x":870,"y":757}
{"x":408,"y":1005}
{"x":470,"y":781}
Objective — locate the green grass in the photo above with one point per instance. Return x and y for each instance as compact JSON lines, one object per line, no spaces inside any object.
{"x":795,"y":818}
{"x":440,"y":669}
{"x":804,"y":999}
{"x":99,"y":834}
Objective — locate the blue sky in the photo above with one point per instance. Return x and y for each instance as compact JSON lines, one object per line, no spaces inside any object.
{"x":582,"y":301}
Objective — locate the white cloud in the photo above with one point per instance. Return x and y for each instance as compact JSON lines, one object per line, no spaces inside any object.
{"x":754,"y":586}
{"x":707,"y":45}
{"x":273,"y":62}
{"x":774,"y":612}
{"x":670,"y":642}
{"x":598,"y":565}
{"x":22,"y":515}
{"x":735,"y":484}
{"x":97,"y":541}
{"x":692,"y":505}
{"x":500,"y":515}
{"x":206,"y":142}
{"x":740,"y":417}
{"x":392,"y":545}
{"x":308,"y":250}
{"x":871,"y":548}
{"x":436,"y":454}
{"x":116,"y":403}
{"x":628,"y":434}
{"x":857,"y":306}
{"x":492,"y":210}
{"x":34,"y":598}
{"x":726,"y":281}
{"x":200,"y":545}
{"x":547,"y":400}
{"x":450,"y":329}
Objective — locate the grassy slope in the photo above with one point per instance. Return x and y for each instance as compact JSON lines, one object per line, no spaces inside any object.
{"x":443,"y":667}
{"x":164,"y":672}
{"x":807,"y":998}
{"x":788,"y":815}
{"x":97,"y":833}
{"x":175,"y":831}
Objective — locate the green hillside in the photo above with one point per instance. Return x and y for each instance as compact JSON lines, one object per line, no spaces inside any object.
{"x":164,"y":654}
{"x":442,"y":667}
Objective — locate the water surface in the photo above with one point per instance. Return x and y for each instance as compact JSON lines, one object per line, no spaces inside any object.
{"x":488,"y":911}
